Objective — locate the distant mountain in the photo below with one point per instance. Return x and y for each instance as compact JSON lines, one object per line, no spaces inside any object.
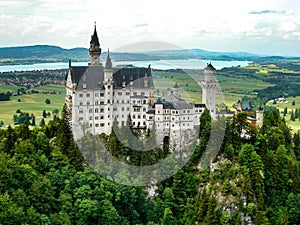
{"x":43,"y":52}
{"x":48,"y":53}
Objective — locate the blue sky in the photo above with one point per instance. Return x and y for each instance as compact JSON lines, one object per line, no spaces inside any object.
{"x":258,"y":26}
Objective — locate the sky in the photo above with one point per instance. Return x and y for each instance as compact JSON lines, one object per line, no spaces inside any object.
{"x":270,"y":27}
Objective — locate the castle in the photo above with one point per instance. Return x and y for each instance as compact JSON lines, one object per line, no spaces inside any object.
{"x":99,"y":95}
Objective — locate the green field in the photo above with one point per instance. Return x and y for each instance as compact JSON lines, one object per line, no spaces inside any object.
{"x":32,"y":103}
{"x":295,"y":125}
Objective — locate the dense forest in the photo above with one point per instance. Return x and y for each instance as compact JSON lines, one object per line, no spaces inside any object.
{"x":254,"y":180}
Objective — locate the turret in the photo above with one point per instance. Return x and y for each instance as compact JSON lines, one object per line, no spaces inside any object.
{"x":108,"y":72}
{"x":209,"y":73}
{"x":176,"y":90}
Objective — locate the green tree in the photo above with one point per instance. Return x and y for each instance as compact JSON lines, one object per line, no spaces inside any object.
{"x":47,"y":101}
{"x":42,"y":123}
{"x":44,"y":113}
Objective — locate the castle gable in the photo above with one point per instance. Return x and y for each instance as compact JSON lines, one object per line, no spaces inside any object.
{"x":87,"y":77}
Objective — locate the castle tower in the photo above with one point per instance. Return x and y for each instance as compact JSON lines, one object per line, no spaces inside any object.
{"x":176,"y":90}
{"x":95,"y":50}
{"x":259,"y":117}
{"x":209,"y":89}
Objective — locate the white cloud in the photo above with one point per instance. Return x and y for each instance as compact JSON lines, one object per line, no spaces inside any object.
{"x":190,"y":23}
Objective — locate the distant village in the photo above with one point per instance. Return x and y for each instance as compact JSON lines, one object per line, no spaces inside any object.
{"x":30,"y":79}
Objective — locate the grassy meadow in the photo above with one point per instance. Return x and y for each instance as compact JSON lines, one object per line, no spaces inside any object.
{"x":31,"y":103}
{"x":295,"y":125}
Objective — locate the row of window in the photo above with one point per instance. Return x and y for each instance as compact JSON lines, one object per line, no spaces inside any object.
{"x":173,"y":125}
{"x":138,"y":117}
{"x":102,"y":94}
{"x":117,"y":101}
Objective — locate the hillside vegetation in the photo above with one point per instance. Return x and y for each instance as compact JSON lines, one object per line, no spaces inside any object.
{"x":45,"y":180}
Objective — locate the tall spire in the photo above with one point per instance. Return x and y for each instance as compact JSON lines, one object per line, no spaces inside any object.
{"x":95,"y":39}
{"x":108,"y":64}
{"x":95,"y":50}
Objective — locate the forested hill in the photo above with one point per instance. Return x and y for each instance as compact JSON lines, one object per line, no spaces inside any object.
{"x":45,"y":180}
{"x":43,"y":52}
{"x":47,"y":53}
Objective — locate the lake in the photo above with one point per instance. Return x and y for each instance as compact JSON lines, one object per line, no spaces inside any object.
{"x":162,"y":64}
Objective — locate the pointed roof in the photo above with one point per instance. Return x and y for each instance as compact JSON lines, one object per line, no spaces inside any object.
{"x":108,"y":64}
{"x":210,"y":67}
{"x":176,"y":85}
{"x":95,"y":39}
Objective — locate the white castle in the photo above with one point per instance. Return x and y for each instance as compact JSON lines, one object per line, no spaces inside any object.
{"x":100,"y":95}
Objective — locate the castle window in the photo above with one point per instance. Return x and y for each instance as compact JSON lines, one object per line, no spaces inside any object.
{"x":144,"y":109}
{"x":80,"y":110}
{"x":80,"y":103}
{"x":88,"y":95}
{"x":101,"y":124}
{"x":101,"y":110}
{"x":133,"y":116}
{"x":128,"y":101}
{"x":96,"y":118}
{"x":122,"y":108}
{"x":96,"y":94}
{"x":90,"y":110}
{"x":144,"y":123}
{"x":80,"y":95}
{"x":188,"y":111}
{"x":133,"y":101}
{"x":84,"y":86}
{"x":88,"y":102}
{"x":117,"y":101}
{"x":97,"y":124}
{"x":80,"y":118}
{"x":91,"y":125}
{"x":122,"y":101}
{"x":143,"y":93}
{"x":96,"y":110}
{"x":122,"y":115}
{"x":115,"y":108}
{"x":134,"y":93}
{"x":144,"y":102}
{"x":127,"y":93}
{"x":139,"y":116}
{"x":101,"y":94}
{"x":91,"y":118}
{"x":183,"y":111}
{"x":144,"y":116}
{"x":133,"y":123}
{"x":127,"y":108}
{"x":108,"y":101}
{"x":101,"y":103}
{"x":101,"y":117}
{"x":119,"y":93}
{"x":96,"y":103}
